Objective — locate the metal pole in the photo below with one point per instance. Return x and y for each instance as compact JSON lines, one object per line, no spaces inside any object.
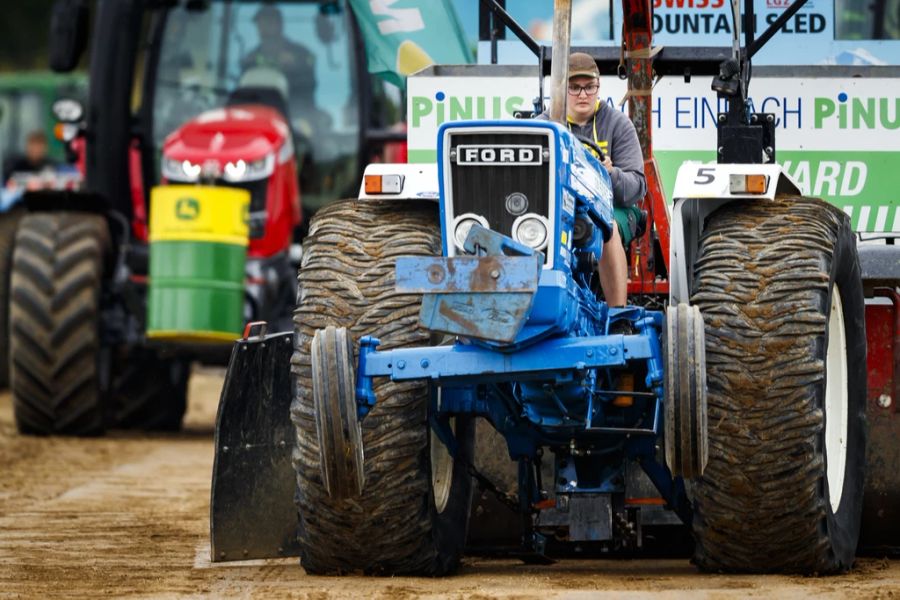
{"x":749,"y":24}
{"x":559,"y":67}
{"x":736,"y":50}
{"x":775,"y":26}
{"x":736,"y":38}
{"x":498,"y":12}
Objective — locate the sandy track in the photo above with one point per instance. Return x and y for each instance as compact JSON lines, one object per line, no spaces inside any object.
{"x":127,"y":515}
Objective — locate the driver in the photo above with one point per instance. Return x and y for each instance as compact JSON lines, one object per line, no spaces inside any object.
{"x":276,"y":51}
{"x":614,"y":133}
{"x":34,"y":160}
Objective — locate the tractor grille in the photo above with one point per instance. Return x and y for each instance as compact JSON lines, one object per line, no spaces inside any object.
{"x":483,"y":189}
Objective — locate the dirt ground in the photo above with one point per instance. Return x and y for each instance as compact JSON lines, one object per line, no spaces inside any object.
{"x":127,"y":515}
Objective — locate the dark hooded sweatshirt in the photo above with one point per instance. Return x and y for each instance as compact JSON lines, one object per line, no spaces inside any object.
{"x":615,"y":135}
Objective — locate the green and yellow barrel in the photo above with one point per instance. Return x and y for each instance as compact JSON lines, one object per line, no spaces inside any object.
{"x":198,"y":251}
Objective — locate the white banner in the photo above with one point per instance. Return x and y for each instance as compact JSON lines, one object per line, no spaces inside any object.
{"x":810,"y":114}
{"x":839,"y":138}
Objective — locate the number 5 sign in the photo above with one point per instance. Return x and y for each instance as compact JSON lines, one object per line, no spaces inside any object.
{"x":699,"y":180}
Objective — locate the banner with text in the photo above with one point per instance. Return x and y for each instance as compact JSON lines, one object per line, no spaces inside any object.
{"x":838,"y":138}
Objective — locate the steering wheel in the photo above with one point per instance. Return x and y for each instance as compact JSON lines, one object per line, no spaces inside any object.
{"x":592,"y":145}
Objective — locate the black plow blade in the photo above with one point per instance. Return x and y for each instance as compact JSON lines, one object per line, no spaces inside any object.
{"x":252,"y":511}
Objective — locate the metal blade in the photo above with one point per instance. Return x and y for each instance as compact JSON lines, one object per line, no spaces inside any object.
{"x":252,"y":511}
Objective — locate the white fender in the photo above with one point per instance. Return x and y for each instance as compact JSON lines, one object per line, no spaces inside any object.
{"x":699,"y":190}
{"x":403,"y":181}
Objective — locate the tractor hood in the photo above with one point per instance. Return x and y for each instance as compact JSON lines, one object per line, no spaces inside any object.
{"x":237,"y":133}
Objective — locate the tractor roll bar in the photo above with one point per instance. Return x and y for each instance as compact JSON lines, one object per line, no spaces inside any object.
{"x":489,"y":31}
{"x":670,"y":60}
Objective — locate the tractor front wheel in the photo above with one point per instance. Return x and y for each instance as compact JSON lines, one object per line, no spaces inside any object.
{"x":337,"y":424}
{"x":687,"y":445}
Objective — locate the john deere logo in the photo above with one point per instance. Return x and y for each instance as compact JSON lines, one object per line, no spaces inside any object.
{"x":187,"y":209}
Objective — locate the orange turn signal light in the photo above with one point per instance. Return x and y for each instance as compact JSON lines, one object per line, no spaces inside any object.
{"x":373,"y":184}
{"x":383,"y":184}
{"x":756,"y":184}
{"x":748,"y":184}
{"x":65,"y":132}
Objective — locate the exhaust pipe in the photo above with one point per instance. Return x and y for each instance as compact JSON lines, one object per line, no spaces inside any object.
{"x":559,"y":67}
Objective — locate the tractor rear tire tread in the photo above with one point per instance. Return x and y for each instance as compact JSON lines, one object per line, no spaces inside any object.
{"x":55,"y":284}
{"x":763,"y":281}
{"x":9,"y":222}
{"x":346,"y":279}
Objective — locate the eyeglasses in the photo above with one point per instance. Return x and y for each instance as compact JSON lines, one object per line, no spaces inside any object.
{"x":590,"y":89}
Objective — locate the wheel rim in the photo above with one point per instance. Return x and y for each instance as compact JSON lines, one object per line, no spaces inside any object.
{"x":836,"y":402}
{"x":441,"y":469}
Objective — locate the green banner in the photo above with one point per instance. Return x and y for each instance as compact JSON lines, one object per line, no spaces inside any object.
{"x":863,"y":184}
{"x":405,"y":36}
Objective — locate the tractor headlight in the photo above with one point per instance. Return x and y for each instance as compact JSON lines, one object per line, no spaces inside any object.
{"x":463,"y":224}
{"x":179,"y":170}
{"x":531,"y":230}
{"x":241,"y":170}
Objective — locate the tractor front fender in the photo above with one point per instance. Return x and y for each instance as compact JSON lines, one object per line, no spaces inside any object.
{"x":702,"y":188}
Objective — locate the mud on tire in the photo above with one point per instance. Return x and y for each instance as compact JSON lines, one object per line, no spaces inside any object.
{"x":766,"y":280}
{"x":347,"y":280}
{"x":57,"y":273}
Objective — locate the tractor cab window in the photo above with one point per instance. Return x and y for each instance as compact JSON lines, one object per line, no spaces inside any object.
{"x":26,"y":101}
{"x":296,"y":57}
{"x":20,"y":114}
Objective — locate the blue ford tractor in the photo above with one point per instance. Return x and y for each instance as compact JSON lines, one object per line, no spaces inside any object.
{"x":465,"y":292}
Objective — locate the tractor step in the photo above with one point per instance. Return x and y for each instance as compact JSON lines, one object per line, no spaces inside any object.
{"x":252,"y":511}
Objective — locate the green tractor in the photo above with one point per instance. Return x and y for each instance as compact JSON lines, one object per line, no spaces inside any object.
{"x":26,"y":107}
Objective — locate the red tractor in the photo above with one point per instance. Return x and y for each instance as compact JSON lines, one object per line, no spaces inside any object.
{"x":204,"y":120}
{"x":250,"y":147}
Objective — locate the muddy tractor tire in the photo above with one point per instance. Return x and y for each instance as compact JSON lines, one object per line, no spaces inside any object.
{"x":9,"y":222}
{"x":149,"y":392}
{"x":779,"y":288}
{"x":686,"y":441}
{"x":412,"y":513}
{"x":57,"y":273}
{"x":337,"y":424}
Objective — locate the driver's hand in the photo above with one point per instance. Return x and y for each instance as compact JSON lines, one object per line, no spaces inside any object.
{"x":607,"y":162}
